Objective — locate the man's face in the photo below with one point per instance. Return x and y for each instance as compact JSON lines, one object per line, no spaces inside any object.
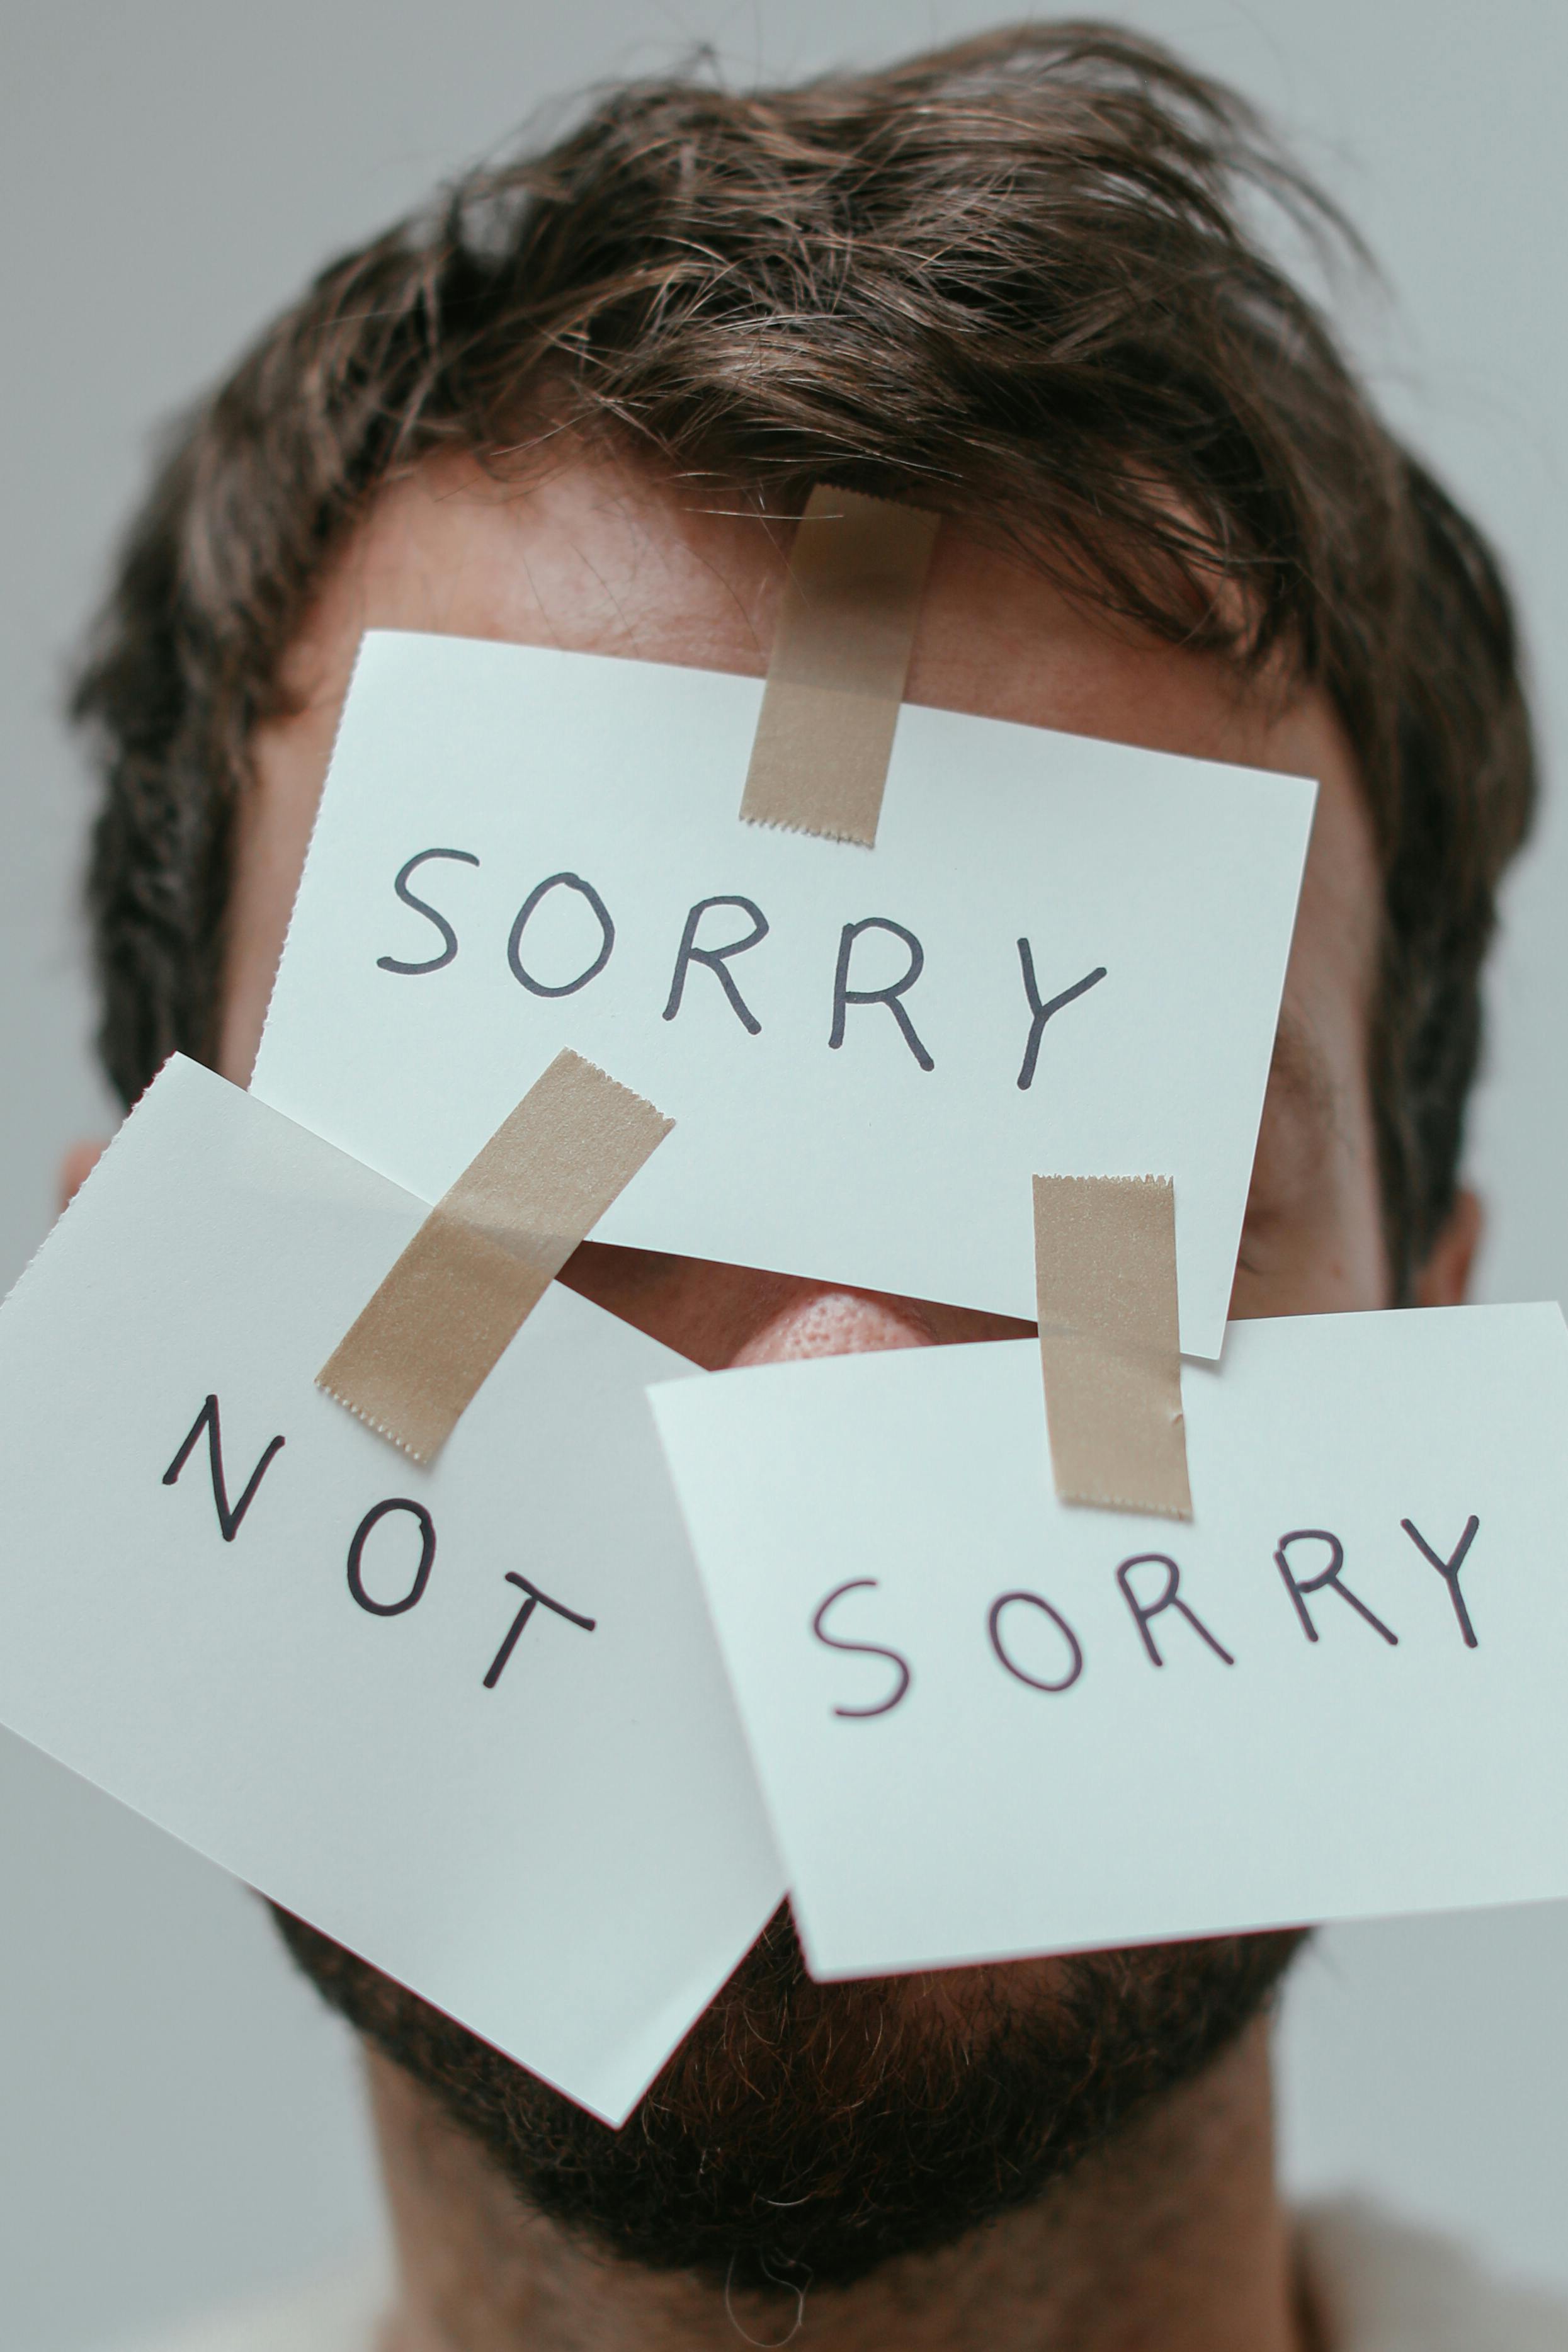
{"x":828,"y":2126}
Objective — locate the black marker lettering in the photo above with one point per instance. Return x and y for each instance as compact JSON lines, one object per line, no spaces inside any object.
{"x":416,"y":1591}
{"x":448,"y":936}
{"x":1171,"y":1598}
{"x":532,"y":1600}
{"x":844,"y":995}
{"x":1449,"y":1570}
{"x":715,"y":958}
{"x":1328,"y":1577}
{"x":863,"y":1650}
{"x":229,"y":1521}
{"x":1040,"y":1013}
{"x":607,"y":937}
{"x":994,"y":1627}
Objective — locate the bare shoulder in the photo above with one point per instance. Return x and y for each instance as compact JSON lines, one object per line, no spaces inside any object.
{"x":1381,"y":2286}
{"x":336,"y":2310}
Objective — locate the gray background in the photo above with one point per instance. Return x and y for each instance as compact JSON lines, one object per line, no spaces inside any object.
{"x":178,"y":2123}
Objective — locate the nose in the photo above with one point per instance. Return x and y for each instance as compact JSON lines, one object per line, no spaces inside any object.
{"x":817,"y":1321}
{"x":718,"y":1315}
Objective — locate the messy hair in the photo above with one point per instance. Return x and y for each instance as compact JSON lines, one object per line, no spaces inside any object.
{"x":1021,"y":280}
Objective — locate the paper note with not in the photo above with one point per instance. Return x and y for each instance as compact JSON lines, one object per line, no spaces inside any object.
{"x":470,"y":1720}
{"x":1063,"y":957}
{"x":988,"y":1724}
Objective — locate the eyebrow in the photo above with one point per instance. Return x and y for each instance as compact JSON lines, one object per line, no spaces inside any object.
{"x":1302,"y":1099}
{"x":1300,"y":1068}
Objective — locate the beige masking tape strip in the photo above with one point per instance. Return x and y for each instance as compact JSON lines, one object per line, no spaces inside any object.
{"x":841,"y":652}
{"x":1105,"y":1275}
{"x":487,"y":1253}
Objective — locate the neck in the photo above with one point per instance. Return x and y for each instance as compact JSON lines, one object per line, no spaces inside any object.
{"x":1175,"y":2238}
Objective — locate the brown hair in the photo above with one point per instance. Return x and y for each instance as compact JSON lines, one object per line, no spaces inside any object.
{"x":1017,"y":278}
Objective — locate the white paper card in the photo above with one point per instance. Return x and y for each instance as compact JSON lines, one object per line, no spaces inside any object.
{"x":569,"y":1861}
{"x":1099,"y":1776}
{"x":484,"y":775}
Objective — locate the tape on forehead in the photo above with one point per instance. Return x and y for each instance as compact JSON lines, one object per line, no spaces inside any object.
{"x":841,"y":654}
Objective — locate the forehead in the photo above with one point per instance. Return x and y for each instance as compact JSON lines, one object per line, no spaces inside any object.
{"x":598,"y":557}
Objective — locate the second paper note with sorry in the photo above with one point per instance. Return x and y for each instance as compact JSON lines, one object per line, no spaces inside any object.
{"x":988,"y":1723}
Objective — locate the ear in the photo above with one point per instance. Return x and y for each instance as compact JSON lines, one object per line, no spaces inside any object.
{"x":76,"y":1168}
{"x":1445,"y":1279}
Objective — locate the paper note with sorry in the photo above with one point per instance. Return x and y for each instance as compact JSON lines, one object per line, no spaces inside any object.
{"x":1062,"y":957}
{"x":469,"y":1721}
{"x":989,"y":1724}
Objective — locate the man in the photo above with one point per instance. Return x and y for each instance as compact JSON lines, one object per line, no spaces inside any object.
{"x":580,"y":407}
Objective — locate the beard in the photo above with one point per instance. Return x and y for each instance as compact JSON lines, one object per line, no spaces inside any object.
{"x":805,"y":2132}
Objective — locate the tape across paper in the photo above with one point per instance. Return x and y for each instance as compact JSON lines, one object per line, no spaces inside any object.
{"x":840,"y":656}
{"x":416,"y":1358}
{"x":1105,"y":1274}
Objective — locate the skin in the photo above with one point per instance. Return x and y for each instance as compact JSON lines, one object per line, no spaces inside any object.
{"x":1176,"y":2240}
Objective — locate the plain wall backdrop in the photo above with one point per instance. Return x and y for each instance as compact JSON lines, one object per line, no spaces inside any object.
{"x":178,"y":2120}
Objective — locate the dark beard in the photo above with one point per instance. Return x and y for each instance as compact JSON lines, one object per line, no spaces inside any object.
{"x":802,"y":2133}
